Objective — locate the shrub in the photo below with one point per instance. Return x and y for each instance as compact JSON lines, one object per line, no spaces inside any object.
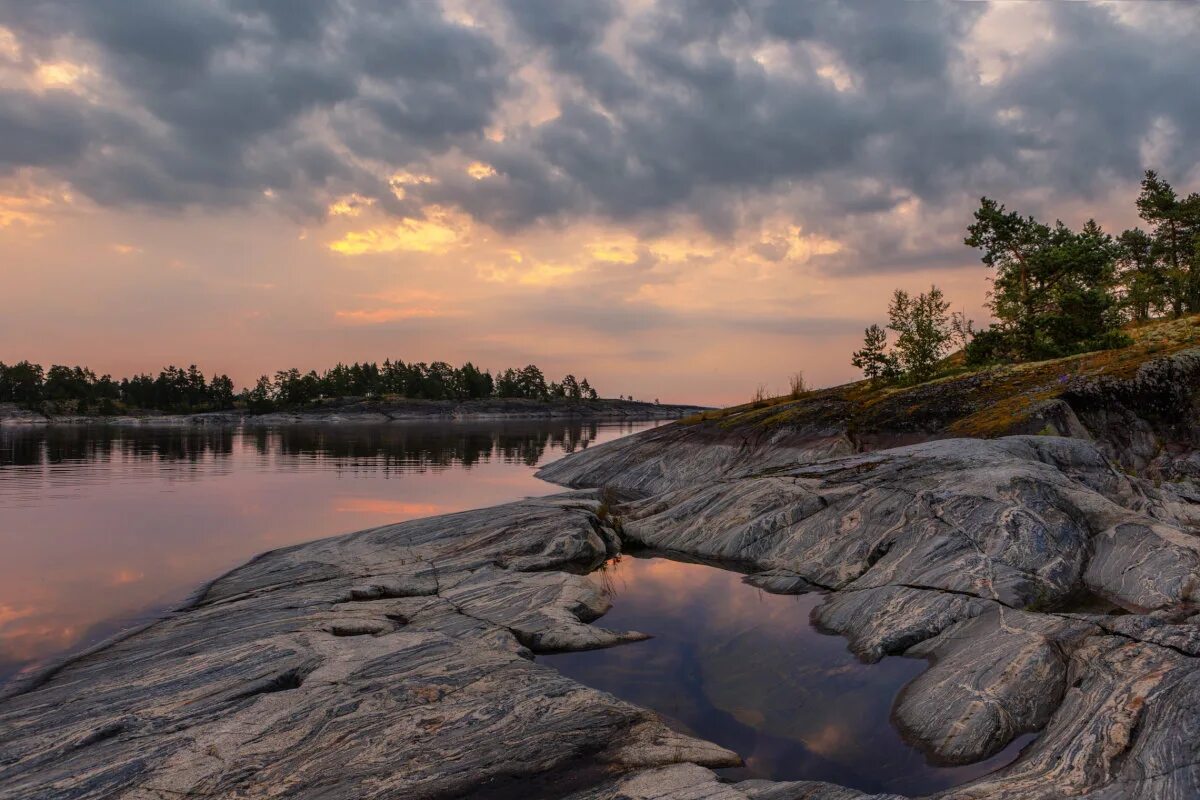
{"x":798,"y":387}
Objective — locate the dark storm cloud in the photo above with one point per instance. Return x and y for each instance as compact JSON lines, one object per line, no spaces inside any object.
{"x":39,"y":131}
{"x":1092,"y":93}
{"x":213,"y":102}
{"x":723,"y":109}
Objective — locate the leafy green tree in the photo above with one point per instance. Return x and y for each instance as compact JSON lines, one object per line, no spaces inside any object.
{"x":532,"y":383}
{"x":177,"y":389}
{"x":1079,"y":306}
{"x":21,"y":383}
{"x":220,"y":391}
{"x":69,"y":383}
{"x":440,"y":381}
{"x":507,"y":384}
{"x":1145,"y":282}
{"x":1053,"y":291}
{"x":261,"y":398}
{"x":923,"y":327}
{"x":474,"y":383}
{"x":1010,"y":244}
{"x":874,"y":359}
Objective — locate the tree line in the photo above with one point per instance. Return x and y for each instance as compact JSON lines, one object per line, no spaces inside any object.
{"x":1055,"y":291}
{"x":175,"y":389}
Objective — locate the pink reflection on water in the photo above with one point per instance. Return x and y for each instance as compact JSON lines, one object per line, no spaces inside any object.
{"x":100,"y":527}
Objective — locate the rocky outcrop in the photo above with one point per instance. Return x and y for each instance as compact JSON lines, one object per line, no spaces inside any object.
{"x":979,"y":555}
{"x":1143,"y":417}
{"x":674,"y":456}
{"x":1050,"y":592}
{"x":1149,"y":423}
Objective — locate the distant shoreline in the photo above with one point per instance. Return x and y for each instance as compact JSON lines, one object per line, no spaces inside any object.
{"x":373,"y":411}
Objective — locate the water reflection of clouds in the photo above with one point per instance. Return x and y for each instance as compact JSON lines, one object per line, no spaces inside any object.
{"x":680,"y":587}
{"x":396,"y":508}
{"x":746,"y":669}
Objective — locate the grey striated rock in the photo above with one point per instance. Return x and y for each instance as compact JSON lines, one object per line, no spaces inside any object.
{"x":890,"y":619}
{"x":396,"y":662}
{"x":1138,"y":409}
{"x":677,"y":456}
{"x":992,"y":677}
{"x":393,"y":662}
{"x":972,"y":553}
{"x":1022,"y":521}
{"x":1126,"y":728}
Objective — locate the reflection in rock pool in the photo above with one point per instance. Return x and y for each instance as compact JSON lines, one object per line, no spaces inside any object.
{"x":745,"y":669}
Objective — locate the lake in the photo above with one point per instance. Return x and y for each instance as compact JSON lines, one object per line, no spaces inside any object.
{"x":102,"y":526}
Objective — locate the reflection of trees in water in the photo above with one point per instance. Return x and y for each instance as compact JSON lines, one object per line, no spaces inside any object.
{"x":62,"y":445}
{"x":420,"y":447}
{"x":399,"y":446}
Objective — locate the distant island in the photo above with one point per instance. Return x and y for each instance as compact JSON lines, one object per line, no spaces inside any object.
{"x":364,"y":392}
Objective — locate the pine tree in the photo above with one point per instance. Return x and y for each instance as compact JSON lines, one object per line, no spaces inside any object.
{"x":873,"y":359}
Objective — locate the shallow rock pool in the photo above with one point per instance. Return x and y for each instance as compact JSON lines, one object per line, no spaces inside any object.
{"x":745,"y":669}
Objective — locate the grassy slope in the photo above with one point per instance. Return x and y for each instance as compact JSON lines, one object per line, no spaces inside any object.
{"x":987,"y":402}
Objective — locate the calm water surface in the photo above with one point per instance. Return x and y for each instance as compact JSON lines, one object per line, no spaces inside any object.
{"x":745,"y":669}
{"x":102,"y":526}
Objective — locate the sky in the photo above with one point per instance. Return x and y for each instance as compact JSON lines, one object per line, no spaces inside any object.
{"x":679,"y":200}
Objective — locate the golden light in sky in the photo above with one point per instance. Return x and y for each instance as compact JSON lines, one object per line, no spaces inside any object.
{"x":681,"y":205}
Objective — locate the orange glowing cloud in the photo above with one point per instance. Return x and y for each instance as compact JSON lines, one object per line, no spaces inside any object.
{"x":10,"y":48}
{"x":350,"y":206}
{"x":9,"y":614}
{"x":539,"y":274}
{"x":436,"y":234}
{"x":399,"y":180}
{"x":59,"y":74}
{"x":23,"y":201}
{"x":478,"y":170}
{"x":398,"y":304}
{"x":620,"y":251}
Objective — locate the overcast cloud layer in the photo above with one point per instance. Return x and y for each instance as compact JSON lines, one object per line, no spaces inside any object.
{"x":869,"y":128}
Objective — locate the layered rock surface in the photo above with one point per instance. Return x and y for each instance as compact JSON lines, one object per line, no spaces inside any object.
{"x":1049,"y":591}
{"x":391,"y":663}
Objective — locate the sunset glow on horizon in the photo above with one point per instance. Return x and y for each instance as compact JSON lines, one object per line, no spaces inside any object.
{"x":680,"y":201}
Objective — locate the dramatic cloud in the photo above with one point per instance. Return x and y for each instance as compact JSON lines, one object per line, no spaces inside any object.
{"x":669,"y":158}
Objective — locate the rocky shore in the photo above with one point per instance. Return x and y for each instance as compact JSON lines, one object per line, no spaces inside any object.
{"x":366,"y":411}
{"x":1051,"y":584}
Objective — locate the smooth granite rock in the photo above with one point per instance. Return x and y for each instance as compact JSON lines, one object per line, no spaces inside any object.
{"x":974,"y":554}
{"x":395,"y":662}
